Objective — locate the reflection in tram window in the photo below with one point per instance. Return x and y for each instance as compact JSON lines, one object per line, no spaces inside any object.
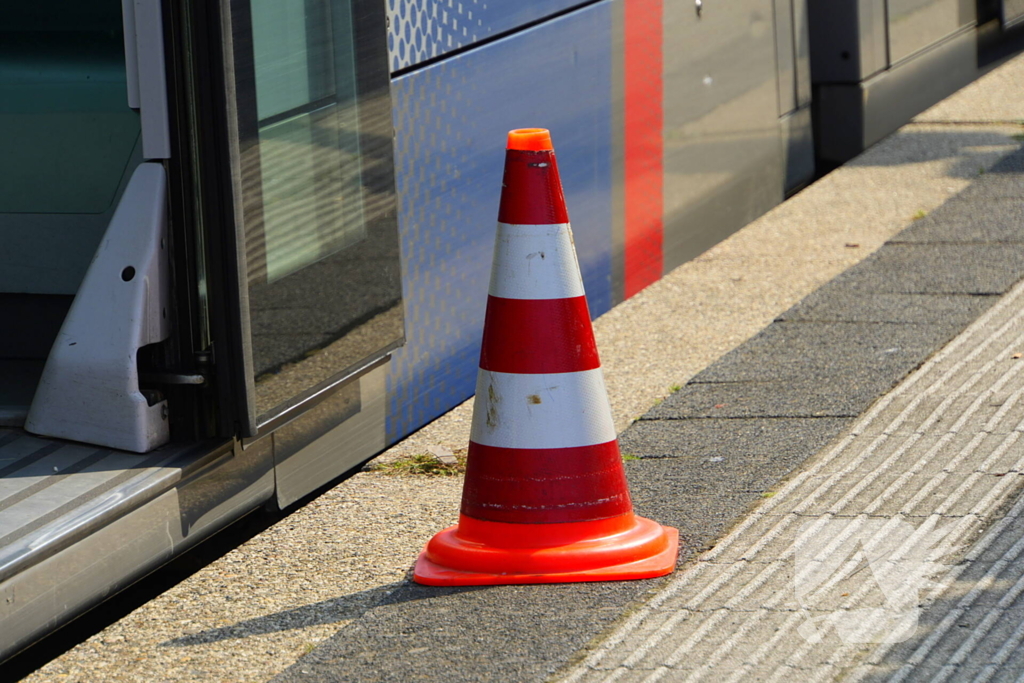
{"x":318,"y":218}
{"x":308,"y":133}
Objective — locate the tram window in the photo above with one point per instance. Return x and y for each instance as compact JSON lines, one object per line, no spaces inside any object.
{"x":314,"y":179}
{"x":308,"y":136}
{"x":67,"y":129}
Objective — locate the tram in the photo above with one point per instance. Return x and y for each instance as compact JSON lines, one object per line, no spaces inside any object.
{"x":242,"y":242}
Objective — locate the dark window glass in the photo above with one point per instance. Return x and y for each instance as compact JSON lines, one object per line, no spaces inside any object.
{"x":314,"y":187}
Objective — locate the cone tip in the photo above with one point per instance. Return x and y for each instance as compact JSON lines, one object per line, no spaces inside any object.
{"x":530,"y":139}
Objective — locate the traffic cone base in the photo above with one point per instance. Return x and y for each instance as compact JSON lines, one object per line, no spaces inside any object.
{"x":624,"y":547}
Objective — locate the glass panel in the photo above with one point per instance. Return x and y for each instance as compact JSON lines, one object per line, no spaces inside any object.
{"x":1012,"y":12}
{"x":68,"y":133}
{"x":311,"y":204}
{"x":916,"y":24}
{"x":308,"y":133}
{"x":315,"y":178}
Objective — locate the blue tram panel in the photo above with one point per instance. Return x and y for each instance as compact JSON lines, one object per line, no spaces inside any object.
{"x":451,"y":119}
{"x":425,"y":29}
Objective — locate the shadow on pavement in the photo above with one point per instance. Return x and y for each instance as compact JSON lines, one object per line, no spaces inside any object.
{"x":343,"y":608}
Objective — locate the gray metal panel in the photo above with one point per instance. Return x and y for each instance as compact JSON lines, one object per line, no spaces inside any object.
{"x":131,"y":52}
{"x":723,"y":161}
{"x":802,"y":52}
{"x":53,"y":492}
{"x":848,"y":39}
{"x":850,"y":118}
{"x":916,"y":24}
{"x":420,"y":30}
{"x":332,"y":438}
{"x":785,"y":51}
{"x":99,"y":541}
{"x":798,"y":146}
{"x":149,"y":29}
{"x":1012,"y":12}
{"x":46,"y":595}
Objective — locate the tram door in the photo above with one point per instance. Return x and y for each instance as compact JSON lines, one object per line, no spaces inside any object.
{"x":264,"y":126}
{"x":308,"y":209}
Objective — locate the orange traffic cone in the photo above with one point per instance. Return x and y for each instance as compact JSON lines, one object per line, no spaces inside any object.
{"x":545,"y":498}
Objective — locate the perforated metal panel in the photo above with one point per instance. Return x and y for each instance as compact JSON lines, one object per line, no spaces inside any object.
{"x":451,"y":119}
{"x":422,"y":29}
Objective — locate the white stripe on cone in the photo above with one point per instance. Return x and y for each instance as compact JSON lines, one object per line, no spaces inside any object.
{"x":555,"y":410}
{"x":535,"y":262}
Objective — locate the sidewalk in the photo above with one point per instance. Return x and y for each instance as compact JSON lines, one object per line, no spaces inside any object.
{"x":827,"y":577}
{"x":322,"y":595}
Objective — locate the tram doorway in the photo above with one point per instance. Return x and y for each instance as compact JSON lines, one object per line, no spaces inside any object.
{"x":70,"y":142}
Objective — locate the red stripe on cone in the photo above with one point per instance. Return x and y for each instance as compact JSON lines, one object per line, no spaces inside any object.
{"x":531,"y":190}
{"x":530,"y":336}
{"x":545,"y":485}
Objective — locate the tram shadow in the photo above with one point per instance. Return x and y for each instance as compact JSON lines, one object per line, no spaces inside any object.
{"x":969,"y":153}
{"x":336,"y":610}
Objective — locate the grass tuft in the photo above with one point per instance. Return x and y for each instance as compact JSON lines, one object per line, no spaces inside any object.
{"x":423,"y":464}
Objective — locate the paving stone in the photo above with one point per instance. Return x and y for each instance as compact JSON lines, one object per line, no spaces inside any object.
{"x":739,"y":439}
{"x":998,"y":548}
{"x":784,"y":398}
{"x":936,"y":269}
{"x":970,"y":220}
{"x":1012,"y":163}
{"x":833,"y":303}
{"x":699,"y":475}
{"x":700,"y":518}
{"x":1004,"y":180}
{"x":418,"y":631}
{"x":839,"y":353}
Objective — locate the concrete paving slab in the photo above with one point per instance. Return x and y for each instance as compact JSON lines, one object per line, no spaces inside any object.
{"x":998,"y":220}
{"x":700,"y":476}
{"x":988,"y":397}
{"x":834,"y":303}
{"x":978,"y":620}
{"x":1010,"y":165}
{"x":837,"y":352}
{"x":906,"y":268}
{"x":700,"y":518}
{"x":782,"y":399}
{"x":714,"y":441}
{"x":1002,"y":182}
{"x":1002,"y":186}
{"x":407,"y":637}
